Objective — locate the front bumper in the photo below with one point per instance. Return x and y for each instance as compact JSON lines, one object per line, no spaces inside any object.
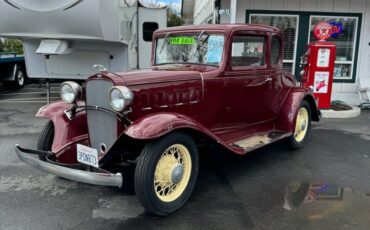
{"x":95,"y":178}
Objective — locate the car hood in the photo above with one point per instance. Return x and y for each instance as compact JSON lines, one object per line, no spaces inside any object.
{"x":152,"y":76}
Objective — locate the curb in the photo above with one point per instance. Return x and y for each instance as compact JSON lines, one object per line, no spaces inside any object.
{"x":329,"y":113}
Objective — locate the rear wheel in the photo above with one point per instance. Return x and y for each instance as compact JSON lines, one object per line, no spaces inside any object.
{"x":46,"y":138}
{"x":166,"y":173}
{"x":302,"y":127}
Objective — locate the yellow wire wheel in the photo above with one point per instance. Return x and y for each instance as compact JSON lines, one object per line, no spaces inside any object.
{"x":172,"y":173}
{"x":302,"y":123}
{"x":301,"y":127}
{"x":166,"y":173}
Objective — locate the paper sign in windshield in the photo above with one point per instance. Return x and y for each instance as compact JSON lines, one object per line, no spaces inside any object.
{"x":182,"y":41}
{"x":215,"y":47}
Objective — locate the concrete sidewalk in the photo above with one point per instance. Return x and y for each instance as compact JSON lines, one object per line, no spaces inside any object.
{"x":330,"y":113}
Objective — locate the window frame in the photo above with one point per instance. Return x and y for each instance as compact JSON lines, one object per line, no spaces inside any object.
{"x":281,"y":50}
{"x":303,"y":29}
{"x":352,"y":63}
{"x":290,"y":61}
{"x":195,"y":32}
{"x":250,"y":34}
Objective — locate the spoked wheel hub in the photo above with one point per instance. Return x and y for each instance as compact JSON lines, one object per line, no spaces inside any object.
{"x":20,"y":78}
{"x":301,"y":124}
{"x":177,"y":173}
{"x":172,"y":173}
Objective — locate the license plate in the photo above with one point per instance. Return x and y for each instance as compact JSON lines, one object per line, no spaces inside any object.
{"x":87,"y":155}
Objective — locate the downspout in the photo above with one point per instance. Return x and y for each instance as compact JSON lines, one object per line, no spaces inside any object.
{"x":233,"y":4}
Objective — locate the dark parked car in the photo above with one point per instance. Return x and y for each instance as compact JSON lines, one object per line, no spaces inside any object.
{"x":220,"y":84}
{"x":12,"y":70}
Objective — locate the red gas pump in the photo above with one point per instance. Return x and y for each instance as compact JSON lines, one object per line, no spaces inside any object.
{"x":318,"y":67}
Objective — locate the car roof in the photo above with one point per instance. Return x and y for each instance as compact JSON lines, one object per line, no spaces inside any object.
{"x":219,"y":27}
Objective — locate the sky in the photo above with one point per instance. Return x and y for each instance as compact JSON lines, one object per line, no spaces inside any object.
{"x":173,"y":1}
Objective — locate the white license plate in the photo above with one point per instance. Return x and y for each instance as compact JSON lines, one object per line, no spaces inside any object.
{"x":87,"y":155}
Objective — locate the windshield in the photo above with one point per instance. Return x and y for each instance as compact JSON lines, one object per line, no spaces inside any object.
{"x":202,"y":48}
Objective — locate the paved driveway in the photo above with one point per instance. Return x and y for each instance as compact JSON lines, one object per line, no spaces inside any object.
{"x":326,"y":185}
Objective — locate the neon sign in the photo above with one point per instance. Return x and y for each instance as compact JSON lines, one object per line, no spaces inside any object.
{"x":337,"y":28}
{"x":322,"y":31}
{"x":325,"y":30}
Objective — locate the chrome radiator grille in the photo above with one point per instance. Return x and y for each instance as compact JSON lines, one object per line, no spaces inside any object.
{"x":102,"y":126}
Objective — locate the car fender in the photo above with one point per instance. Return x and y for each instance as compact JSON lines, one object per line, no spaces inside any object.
{"x":66,"y":131}
{"x":156,"y":125}
{"x":159,"y":124}
{"x":286,"y":118}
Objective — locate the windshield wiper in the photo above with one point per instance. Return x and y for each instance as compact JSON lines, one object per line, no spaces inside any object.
{"x":200,"y":43}
{"x":164,"y":43}
{"x":200,"y":36}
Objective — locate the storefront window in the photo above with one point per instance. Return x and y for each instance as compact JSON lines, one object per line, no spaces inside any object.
{"x":288,"y":24}
{"x":345,"y":40}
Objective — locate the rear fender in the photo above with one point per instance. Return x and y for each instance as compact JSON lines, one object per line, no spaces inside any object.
{"x":286,"y":119}
{"x":67,"y":131}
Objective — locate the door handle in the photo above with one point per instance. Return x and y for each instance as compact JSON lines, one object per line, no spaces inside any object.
{"x":268,"y":79}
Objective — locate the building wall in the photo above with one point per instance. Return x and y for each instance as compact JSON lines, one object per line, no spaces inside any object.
{"x":187,"y":11}
{"x":203,"y":9}
{"x":341,"y":91}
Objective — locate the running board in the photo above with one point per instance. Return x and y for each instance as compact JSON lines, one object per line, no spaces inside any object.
{"x":254,"y":142}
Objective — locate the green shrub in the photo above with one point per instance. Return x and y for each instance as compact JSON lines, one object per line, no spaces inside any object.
{"x":11,"y":46}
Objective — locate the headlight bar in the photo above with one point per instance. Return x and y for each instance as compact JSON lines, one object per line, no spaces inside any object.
{"x":71,"y":113}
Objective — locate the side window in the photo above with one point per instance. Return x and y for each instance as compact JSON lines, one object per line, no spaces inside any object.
{"x":275,"y":50}
{"x":248,"y":51}
{"x":148,"y":30}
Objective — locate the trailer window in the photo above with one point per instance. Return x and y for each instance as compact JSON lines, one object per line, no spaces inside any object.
{"x":148,"y":30}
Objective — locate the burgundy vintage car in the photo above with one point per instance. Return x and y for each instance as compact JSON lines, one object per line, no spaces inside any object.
{"x":215,"y":84}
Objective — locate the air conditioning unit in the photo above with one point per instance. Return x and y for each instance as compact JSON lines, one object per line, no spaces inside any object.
{"x":55,"y":47}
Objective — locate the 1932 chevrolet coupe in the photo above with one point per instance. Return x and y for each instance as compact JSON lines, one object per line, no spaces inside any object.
{"x":220,"y":84}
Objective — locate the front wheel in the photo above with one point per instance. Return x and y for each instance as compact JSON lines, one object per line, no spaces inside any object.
{"x":18,"y":82}
{"x":166,"y":173}
{"x":46,"y":138}
{"x":302,"y":127}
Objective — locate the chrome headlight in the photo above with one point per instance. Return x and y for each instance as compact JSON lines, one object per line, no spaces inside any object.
{"x":120,"y":98}
{"x":70,"y":92}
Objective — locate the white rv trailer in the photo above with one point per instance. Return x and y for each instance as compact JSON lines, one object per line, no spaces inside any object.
{"x":64,"y":39}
